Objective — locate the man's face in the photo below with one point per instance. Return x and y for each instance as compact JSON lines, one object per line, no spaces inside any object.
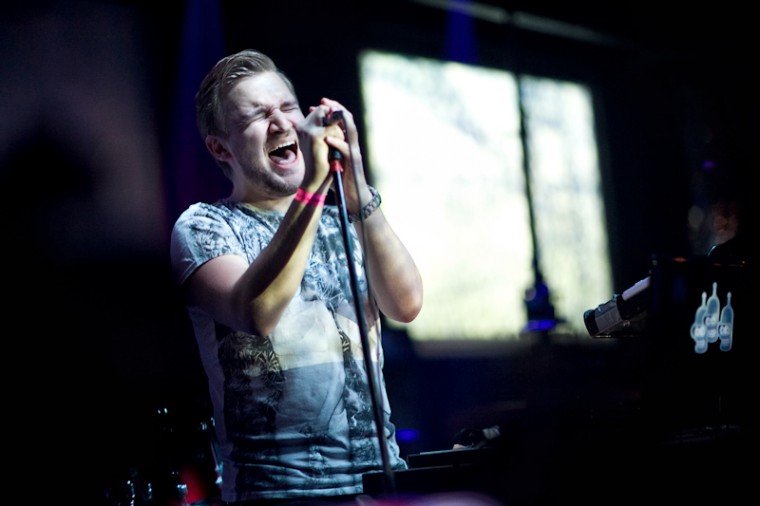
{"x":262,"y":142}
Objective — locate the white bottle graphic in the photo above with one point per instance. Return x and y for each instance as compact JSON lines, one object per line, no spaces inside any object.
{"x":698,"y":328}
{"x":712,"y":315}
{"x":726,"y":325}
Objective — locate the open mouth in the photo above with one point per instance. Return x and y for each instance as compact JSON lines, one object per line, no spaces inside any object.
{"x":284,"y":153}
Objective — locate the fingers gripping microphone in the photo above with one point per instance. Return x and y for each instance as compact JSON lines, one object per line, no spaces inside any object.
{"x":334,"y":156}
{"x":332,"y":118}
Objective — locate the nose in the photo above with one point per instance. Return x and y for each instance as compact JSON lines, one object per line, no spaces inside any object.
{"x":279,"y":120}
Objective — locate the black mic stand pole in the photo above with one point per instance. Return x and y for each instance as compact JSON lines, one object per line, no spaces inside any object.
{"x":336,"y":159}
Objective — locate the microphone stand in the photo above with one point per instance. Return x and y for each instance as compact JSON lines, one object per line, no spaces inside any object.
{"x":336,"y":165}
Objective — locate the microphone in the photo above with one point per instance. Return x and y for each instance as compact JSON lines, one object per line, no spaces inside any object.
{"x":334,"y":156}
{"x":332,"y":118}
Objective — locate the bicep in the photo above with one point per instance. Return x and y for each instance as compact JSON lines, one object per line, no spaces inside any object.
{"x":213,"y":287}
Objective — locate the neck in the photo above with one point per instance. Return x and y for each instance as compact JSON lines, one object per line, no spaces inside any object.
{"x":261,"y":201}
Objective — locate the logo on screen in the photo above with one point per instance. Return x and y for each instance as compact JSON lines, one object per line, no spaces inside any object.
{"x":713,"y":323}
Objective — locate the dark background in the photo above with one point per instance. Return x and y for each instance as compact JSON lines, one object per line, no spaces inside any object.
{"x":99,"y":155}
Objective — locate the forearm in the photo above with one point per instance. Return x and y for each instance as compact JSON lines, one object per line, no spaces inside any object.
{"x":393,"y":275}
{"x":273,"y":279}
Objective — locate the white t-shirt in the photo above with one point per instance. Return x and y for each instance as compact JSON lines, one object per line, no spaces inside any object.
{"x":292,"y":410}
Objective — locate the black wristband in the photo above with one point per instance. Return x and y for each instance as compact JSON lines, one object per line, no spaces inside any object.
{"x":368,"y":209}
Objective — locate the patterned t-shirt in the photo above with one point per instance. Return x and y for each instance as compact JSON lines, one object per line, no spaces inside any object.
{"x":292,"y":410}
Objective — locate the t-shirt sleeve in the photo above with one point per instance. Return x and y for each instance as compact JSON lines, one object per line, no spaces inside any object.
{"x":200,"y":234}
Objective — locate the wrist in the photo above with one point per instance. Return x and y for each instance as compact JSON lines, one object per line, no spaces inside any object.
{"x":308,"y":198}
{"x":369,"y":208}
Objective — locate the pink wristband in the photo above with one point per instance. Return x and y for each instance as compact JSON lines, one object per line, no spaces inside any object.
{"x":312,"y":199}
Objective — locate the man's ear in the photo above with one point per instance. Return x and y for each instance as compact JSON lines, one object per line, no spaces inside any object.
{"x":217,"y":148}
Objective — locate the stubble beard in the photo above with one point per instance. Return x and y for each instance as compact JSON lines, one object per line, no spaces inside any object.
{"x":265,"y":179}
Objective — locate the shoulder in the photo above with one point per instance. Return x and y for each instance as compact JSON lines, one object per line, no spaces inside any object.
{"x":200,"y":226}
{"x":200,"y":210}
{"x":204,"y":216}
{"x":202,"y":232}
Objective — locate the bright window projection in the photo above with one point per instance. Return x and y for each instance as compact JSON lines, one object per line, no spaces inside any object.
{"x":571,"y":230}
{"x":444,"y":151}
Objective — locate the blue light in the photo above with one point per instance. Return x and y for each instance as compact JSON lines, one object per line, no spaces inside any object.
{"x":407,"y":435}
